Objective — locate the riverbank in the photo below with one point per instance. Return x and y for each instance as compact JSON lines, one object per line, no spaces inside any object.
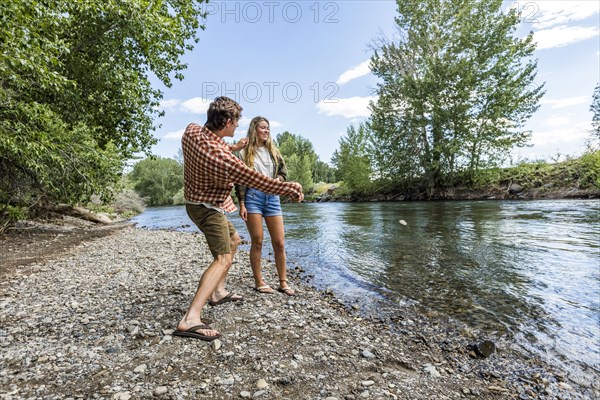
{"x":577,"y":178}
{"x":511,"y":192}
{"x":96,"y":321}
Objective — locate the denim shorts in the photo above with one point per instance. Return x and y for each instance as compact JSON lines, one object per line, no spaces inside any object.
{"x":257,"y":202}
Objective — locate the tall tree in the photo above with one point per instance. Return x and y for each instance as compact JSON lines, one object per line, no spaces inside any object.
{"x":157,"y":180}
{"x":75,"y":93}
{"x":456,"y":89}
{"x":352,"y":159}
{"x":323,"y":172}
{"x":299,"y":156}
{"x":595,"y":109}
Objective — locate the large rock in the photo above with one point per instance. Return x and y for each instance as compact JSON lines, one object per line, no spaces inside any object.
{"x":515,"y":188}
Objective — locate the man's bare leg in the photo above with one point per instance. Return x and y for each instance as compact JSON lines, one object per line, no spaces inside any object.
{"x":220,"y":291}
{"x":215,"y":272}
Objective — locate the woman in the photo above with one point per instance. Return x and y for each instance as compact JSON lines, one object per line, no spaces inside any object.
{"x":262,"y":155}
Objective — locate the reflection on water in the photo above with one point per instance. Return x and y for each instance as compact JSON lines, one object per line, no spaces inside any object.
{"x":530,"y":270}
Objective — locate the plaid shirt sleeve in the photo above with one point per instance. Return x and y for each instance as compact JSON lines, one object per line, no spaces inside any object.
{"x":243,"y":175}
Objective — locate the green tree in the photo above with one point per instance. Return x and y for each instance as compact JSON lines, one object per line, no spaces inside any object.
{"x":456,"y":89}
{"x":299,"y":171}
{"x":323,"y":172}
{"x":157,"y":180}
{"x":75,"y":93}
{"x":595,"y":109}
{"x":300,"y":158}
{"x":352,"y":159}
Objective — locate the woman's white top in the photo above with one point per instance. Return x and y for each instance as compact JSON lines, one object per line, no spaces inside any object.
{"x":263,"y":162}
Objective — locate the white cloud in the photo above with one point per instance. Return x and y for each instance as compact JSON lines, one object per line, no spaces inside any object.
{"x":566,"y":102}
{"x":174,"y":135}
{"x":245,"y":121}
{"x":556,"y":120}
{"x":569,"y":140}
{"x":545,"y":14}
{"x":352,"y":107}
{"x":566,"y":137}
{"x":563,"y":35}
{"x":169,"y":105}
{"x":356,"y":72}
{"x":195,"y":105}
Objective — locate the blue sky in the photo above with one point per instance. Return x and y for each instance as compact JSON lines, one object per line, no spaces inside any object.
{"x":304,"y":66}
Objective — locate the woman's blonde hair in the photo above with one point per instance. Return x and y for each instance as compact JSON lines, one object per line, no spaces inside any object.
{"x":250,"y":150}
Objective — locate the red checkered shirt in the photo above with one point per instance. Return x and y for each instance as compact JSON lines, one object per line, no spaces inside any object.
{"x":210,"y":170}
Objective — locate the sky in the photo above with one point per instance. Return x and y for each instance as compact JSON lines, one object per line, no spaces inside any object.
{"x":304,"y":66}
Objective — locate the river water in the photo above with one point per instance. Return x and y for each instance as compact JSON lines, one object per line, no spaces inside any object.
{"x":526,"y":270}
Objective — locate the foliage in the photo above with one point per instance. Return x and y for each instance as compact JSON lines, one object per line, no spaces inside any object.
{"x":126,"y":202}
{"x":300,"y":158}
{"x":588,"y":169}
{"x":580,"y":173}
{"x":595,"y":109}
{"x":75,"y":93}
{"x":322,"y":188}
{"x":322,"y":172}
{"x":179,"y":198}
{"x":157,"y":180}
{"x":455,"y":90}
{"x":352,"y":159}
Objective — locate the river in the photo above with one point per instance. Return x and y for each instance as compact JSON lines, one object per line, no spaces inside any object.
{"x":526,"y":270}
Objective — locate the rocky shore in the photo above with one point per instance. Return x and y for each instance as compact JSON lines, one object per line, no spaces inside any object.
{"x":96,"y":322}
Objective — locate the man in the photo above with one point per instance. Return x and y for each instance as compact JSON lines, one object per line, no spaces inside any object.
{"x":210,"y":171}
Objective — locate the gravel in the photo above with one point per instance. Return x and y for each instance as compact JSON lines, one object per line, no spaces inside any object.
{"x":97,"y":323}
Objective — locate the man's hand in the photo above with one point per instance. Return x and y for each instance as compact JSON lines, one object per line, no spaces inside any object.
{"x":294,"y":195}
{"x":239,"y":145}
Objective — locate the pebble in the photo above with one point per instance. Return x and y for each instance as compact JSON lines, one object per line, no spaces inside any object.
{"x":368,"y":354}
{"x":431,"y":370}
{"x":564,"y":385}
{"x":140,"y":368}
{"x":261,"y":384}
{"x":216,"y":344}
{"x":131,"y":288}
{"x":161,"y":390}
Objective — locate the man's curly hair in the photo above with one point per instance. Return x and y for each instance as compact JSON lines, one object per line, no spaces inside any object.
{"x":220,"y":111}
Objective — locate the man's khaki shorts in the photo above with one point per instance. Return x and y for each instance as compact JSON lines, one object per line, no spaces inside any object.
{"x":215,"y":226}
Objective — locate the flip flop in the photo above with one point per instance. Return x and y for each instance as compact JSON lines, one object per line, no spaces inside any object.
{"x":193,"y":334}
{"x":265,"y":289}
{"x":229,"y":297}
{"x":287,"y":290}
